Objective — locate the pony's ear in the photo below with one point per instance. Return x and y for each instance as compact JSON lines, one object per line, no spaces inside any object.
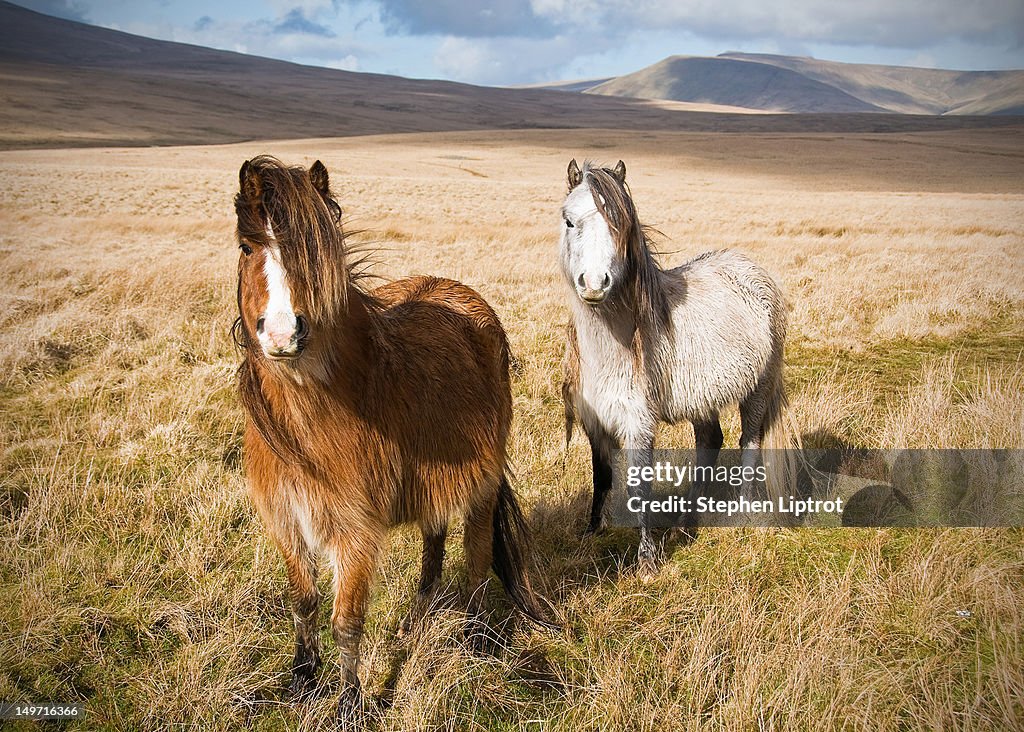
{"x":322,"y":183}
{"x":319,"y":178}
{"x":574,"y":174}
{"x":620,"y":172}
{"x":249,"y":183}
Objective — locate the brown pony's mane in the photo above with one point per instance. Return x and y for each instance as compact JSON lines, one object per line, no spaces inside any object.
{"x":614,"y":201}
{"x":306,"y":223}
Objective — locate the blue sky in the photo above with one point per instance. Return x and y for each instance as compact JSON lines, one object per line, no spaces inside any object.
{"x":524,"y":41}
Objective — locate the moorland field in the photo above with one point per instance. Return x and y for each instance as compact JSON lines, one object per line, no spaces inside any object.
{"x":134,"y":574}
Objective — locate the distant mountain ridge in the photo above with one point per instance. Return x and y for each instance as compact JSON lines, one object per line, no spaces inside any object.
{"x":68,"y":84}
{"x":792,"y":84}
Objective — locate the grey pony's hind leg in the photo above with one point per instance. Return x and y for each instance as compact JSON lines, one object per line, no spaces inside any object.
{"x":430,"y":578}
{"x":752,"y":422}
{"x":708,"y":437}
{"x":753,"y":410}
{"x":602,"y":467}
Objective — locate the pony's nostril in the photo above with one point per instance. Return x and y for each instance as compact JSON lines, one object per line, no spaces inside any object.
{"x":606,"y":281}
{"x":581,"y":281}
{"x":259,"y":325}
{"x":301,"y":327}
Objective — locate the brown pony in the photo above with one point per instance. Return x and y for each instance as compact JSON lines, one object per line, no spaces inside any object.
{"x":366,"y":409}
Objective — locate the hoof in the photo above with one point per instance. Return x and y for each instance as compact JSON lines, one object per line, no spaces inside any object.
{"x":594,"y":528}
{"x":302,"y":687}
{"x":477,"y":636}
{"x":419,"y":612}
{"x":351,"y":713}
{"x":647,"y":571}
{"x":648,"y":565}
{"x":405,"y":627}
{"x":685,"y":535}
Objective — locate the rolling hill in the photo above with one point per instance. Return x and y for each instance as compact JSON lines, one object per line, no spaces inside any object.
{"x":793,"y":84}
{"x":67,"y":84}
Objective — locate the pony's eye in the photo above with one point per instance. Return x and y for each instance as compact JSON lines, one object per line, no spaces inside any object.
{"x":569,"y":224}
{"x":246,"y":249}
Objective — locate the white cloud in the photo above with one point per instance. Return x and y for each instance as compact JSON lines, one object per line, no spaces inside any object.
{"x":349,"y":63}
{"x":922,"y":60}
{"x":507,"y":60}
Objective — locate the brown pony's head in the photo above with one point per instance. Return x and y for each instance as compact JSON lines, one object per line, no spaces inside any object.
{"x":292,"y":276}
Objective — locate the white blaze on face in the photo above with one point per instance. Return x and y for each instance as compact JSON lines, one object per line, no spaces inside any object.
{"x":589,"y":254}
{"x":279,"y":322}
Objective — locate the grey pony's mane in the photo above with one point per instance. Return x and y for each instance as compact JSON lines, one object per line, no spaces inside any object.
{"x":633,"y":239}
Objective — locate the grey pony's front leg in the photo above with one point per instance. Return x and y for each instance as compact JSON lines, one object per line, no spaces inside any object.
{"x":600,"y":458}
{"x":640,"y":453}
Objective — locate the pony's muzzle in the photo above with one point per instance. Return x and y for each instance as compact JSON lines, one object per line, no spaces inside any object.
{"x":593,"y":290}
{"x":282,"y":335}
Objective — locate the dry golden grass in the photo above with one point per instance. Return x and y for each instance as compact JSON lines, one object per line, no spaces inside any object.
{"x":135,"y":576}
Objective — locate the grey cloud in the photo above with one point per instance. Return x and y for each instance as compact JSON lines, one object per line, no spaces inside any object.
{"x":275,"y":38}
{"x":295,"y":21}
{"x":893,"y":23}
{"x":492,"y":18}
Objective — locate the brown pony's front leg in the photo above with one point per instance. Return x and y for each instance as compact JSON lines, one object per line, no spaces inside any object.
{"x":355,"y":560}
{"x":300,"y":566}
{"x":305,"y":599}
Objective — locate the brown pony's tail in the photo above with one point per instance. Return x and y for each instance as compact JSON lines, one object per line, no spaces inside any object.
{"x":509,"y":558}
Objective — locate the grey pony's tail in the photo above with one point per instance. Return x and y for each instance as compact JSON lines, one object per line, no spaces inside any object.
{"x":782,"y":443}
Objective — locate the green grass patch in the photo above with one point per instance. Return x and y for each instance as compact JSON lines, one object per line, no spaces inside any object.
{"x":892,"y":365}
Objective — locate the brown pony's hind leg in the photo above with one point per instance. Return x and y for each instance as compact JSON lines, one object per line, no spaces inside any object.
{"x":355,"y":561}
{"x":430,"y":578}
{"x":478,"y":540}
{"x":301,"y":569}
